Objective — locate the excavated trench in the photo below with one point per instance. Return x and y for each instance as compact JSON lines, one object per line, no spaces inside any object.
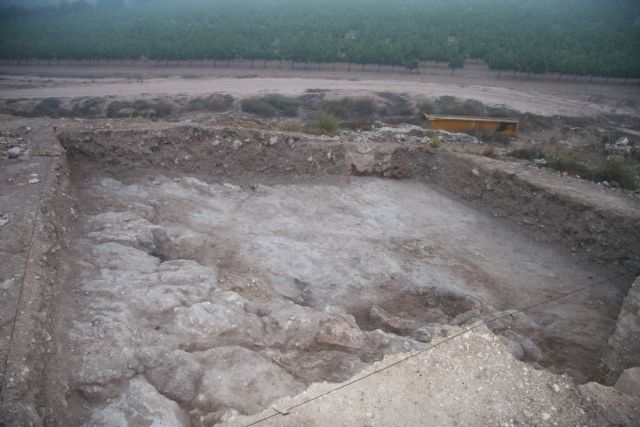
{"x":212,"y":270}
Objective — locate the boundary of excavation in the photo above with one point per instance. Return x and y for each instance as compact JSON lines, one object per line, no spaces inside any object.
{"x":24,"y":275}
{"x":419,"y":352}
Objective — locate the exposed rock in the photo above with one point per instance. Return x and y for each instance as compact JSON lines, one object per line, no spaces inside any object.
{"x":242,"y":379}
{"x":531,"y":351}
{"x":514,"y":347}
{"x":629,"y":382}
{"x":429,"y":332}
{"x":140,"y":404}
{"x":391,"y":323}
{"x":127,"y":229}
{"x":540,"y":163}
{"x":175,"y":374}
{"x":621,"y":147}
{"x":623,"y":351}
{"x":4,"y":219}
{"x":7,"y":284}
{"x":14,"y":153}
{"x":456,"y":138}
{"x":334,"y":366}
{"x":222,"y":320}
{"x":614,"y":407}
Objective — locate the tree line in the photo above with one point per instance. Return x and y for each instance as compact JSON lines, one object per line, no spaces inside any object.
{"x":579,"y":37}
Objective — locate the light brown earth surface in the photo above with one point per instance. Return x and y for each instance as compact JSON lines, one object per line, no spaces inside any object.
{"x":185,"y":274}
{"x":539,"y":97}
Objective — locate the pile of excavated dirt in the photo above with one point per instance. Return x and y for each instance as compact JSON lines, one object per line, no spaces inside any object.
{"x":471,"y":379}
{"x":197,"y":275}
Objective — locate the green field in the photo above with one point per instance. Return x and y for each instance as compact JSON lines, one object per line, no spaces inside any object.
{"x":579,"y":37}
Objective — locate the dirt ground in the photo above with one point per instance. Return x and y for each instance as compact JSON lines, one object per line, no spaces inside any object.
{"x":182,"y":274}
{"x":539,"y":97}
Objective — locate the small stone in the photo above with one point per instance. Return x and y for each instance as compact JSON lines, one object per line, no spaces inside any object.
{"x":556,"y":388}
{"x":7,"y":284}
{"x":475,"y":172}
{"x":14,"y":153}
{"x":4,"y":219}
{"x":236,"y":144}
{"x":310,"y":159}
{"x":273,"y":140}
{"x":545,"y":416}
{"x":540,"y":162}
{"x":33,"y":179}
{"x":605,"y":184}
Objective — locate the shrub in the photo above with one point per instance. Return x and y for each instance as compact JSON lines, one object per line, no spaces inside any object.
{"x":258,"y":106}
{"x":489,"y":151}
{"x":573,"y":164}
{"x":351,"y":108}
{"x":270,"y":106}
{"x":397,"y":105}
{"x":427,"y":107}
{"x":327,"y":123}
{"x":285,"y":105}
{"x":528,"y":152}
{"x":49,"y":107}
{"x":87,"y":108}
{"x":139,"y":108}
{"x":449,"y":105}
{"x":210,"y":103}
{"x":616,"y":169}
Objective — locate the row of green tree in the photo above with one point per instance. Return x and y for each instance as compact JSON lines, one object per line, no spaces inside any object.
{"x":580,"y":37}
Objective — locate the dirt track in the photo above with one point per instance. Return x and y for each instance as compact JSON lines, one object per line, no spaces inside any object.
{"x":545,"y":98}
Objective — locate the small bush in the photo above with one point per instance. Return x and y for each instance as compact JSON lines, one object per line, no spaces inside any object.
{"x":139,"y":108}
{"x":273,"y":105}
{"x":449,"y":105}
{"x":529,"y":152}
{"x":287,"y":106}
{"x":396,"y":105}
{"x":489,"y":151}
{"x":616,"y":169}
{"x":49,"y":107}
{"x":258,"y":106}
{"x":572,"y":164}
{"x":211,"y":103}
{"x":351,"y":108}
{"x":327,"y":123}
{"x":87,"y":108}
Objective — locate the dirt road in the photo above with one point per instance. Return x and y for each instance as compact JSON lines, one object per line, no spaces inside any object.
{"x":545,"y":98}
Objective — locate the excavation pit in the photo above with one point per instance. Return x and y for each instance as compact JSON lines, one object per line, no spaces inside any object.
{"x":216,"y":270}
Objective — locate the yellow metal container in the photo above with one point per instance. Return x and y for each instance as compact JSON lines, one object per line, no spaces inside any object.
{"x":498,"y":126}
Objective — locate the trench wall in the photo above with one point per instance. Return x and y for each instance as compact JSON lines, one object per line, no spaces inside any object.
{"x":595,"y":227}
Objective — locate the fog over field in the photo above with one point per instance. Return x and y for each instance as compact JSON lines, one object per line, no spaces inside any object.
{"x":581,"y":38}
